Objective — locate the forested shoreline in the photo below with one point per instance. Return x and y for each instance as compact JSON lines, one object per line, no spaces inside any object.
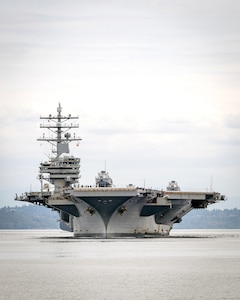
{"x":28,"y":217}
{"x":39,"y":217}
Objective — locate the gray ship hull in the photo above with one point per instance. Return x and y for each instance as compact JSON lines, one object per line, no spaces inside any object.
{"x":123,"y":212}
{"x":130,"y":224}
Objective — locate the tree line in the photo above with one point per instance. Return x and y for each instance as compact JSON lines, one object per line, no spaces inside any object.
{"x":28,"y":217}
{"x":211,"y":219}
{"x":40,"y":217}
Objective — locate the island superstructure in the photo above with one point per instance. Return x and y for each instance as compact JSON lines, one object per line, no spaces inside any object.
{"x":104,"y":210}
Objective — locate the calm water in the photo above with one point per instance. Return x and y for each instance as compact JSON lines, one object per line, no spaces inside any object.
{"x":49,"y":264}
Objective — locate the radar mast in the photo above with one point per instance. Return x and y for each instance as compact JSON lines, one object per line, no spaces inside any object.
{"x":60,"y":129}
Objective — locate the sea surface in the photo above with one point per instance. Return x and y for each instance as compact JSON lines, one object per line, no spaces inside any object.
{"x":51,"y":264}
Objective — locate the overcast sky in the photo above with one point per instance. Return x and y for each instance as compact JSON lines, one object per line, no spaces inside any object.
{"x":155,"y":85}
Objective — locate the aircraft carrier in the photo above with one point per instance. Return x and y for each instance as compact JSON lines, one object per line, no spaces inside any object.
{"x":104,"y":210}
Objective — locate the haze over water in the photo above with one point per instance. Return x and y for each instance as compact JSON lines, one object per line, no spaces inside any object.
{"x":50,"y":264}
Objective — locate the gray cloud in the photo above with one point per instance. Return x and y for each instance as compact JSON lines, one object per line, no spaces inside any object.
{"x":156,"y":84}
{"x":233,"y":121}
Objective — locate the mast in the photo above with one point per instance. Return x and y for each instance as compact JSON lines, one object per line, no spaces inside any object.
{"x":62,"y":137}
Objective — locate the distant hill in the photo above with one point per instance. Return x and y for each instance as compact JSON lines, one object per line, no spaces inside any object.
{"x":214,"y":219}
{"x":28,"y":217}
{"x":40,"y":217}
